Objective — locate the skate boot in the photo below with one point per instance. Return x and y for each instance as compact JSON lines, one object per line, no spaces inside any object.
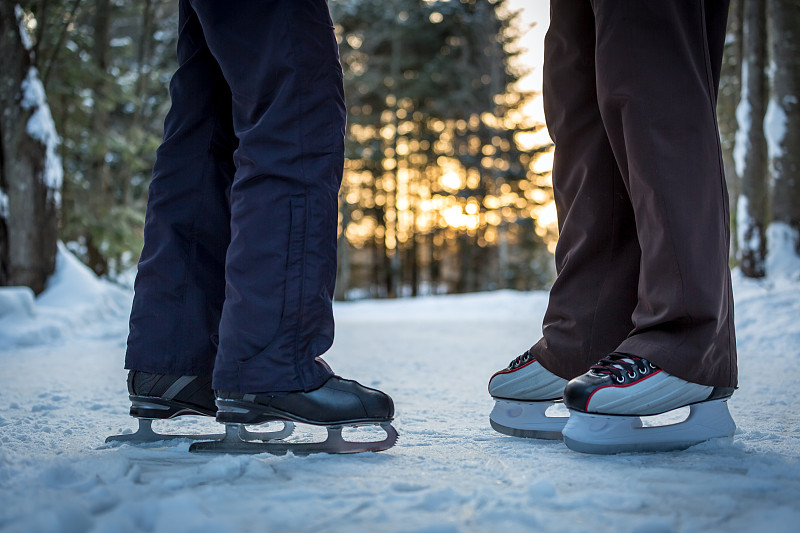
{"x":164,"y":396}
{"x":337,"y":403}
{"x":522,"y":393}
{"x":606,"y":402}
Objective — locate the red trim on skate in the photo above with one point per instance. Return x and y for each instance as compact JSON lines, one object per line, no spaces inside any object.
{"x":510,"y":370}
{"x":617,"y":386}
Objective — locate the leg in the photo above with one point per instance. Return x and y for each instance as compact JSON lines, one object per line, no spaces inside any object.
{"x":597,"y":257}
{"x":180,"y":284}
{"x":280,"y":60}
{"x":657,"y":74}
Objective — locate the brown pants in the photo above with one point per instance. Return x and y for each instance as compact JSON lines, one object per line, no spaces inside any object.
{"x":630,"y":90}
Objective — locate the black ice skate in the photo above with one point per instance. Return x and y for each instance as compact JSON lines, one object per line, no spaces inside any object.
{"x":522,"y":393}
{"x":336,"y":404}
{"x":165,"y":396}
{"x":605,"y":405}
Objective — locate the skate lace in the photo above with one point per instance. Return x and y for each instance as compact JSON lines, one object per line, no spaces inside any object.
{"x":520,"y":360}
{"x":619,"y":365}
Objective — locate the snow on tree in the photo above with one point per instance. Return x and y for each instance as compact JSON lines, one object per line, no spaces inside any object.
{"x":30,"y":169}
{"x":750,"y":152}
{"x":730,"y":92}
{"x":41,"y":127}
{"x":782,"y":129}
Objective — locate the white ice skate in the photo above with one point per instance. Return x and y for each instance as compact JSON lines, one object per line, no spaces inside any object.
{"x":523,"y":392}
{"x":607,"y":402}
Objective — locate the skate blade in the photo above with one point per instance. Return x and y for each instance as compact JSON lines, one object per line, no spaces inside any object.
{"x":145,"y":434}
{"x":526,"y":419}
{"x":605,"y":434}
{"x":334,"y":444}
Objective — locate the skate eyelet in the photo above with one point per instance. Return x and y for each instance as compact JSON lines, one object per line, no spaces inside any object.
{"x":632,"y":375}
{"x":619,"y":379}
{"x":654,"y":367}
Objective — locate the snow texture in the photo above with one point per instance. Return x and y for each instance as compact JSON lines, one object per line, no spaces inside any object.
{"x":61,"y":395}
{"x":3,"y":205}
{"x":745,"y":226}
{"x":775,"y":124}
{"x":23,"y":33}
{"x":743,"y":121}
{"x":42,"y":128}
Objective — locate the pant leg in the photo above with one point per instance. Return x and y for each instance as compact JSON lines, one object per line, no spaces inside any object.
{"x":597,"y":256}
{"x":179,"y":288}
{"x":280,"y":59}
{"x":657,"y":74}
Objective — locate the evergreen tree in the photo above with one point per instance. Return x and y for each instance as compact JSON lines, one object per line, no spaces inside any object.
{"x":106,"y":66}
{"x":433,"y":174}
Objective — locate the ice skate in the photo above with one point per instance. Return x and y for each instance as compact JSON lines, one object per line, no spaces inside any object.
{"x":337,"y":404}
{"x":607,"y":402}
{"x":164,"y":396}
{"x":522,"y":393}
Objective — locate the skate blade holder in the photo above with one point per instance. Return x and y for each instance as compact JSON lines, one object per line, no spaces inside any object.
{"x":145,"y":433}
{"x":527,"y":419}
{"x":610,"y":434}
{"x":234,"y":443}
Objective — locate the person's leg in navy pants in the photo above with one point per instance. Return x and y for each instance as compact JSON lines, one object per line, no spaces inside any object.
{"x":240,"y":239}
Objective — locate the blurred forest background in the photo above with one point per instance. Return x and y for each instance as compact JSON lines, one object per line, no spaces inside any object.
{"x":446,"y":188}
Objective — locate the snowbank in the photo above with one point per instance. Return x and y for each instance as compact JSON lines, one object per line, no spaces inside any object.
{"x":73,"y":299}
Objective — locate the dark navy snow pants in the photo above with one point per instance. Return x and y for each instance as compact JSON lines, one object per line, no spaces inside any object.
{"x":239,"y":261}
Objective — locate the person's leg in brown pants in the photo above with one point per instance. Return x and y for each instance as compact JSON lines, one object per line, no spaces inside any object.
{"x":630,"y":94}
{"x":643,"y":251}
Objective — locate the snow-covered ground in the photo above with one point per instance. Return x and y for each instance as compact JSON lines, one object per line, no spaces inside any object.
{"x":62,"y":391}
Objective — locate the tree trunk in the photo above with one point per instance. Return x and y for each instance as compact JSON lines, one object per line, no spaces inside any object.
{"x":30,"y":170}
{"x":730,"y":93}
{"x":783,"y":114}
{"x":143,"y":62}
{"x":751,"y":144}
{"x":99,"y":200}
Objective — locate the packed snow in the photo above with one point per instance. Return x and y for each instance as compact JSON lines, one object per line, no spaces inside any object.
{"x":62,"y":391}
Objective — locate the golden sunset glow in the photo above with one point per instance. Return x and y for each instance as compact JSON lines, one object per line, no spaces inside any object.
{"x":410,"y":185}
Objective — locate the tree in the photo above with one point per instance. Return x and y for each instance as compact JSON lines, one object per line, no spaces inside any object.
{"x":30,"y":169}
{"x":782,"y":122}
{"x":730,"y":92}
{"x":751,"y":143}
{"x":107,"y":65}
{"x":435,"y":181}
